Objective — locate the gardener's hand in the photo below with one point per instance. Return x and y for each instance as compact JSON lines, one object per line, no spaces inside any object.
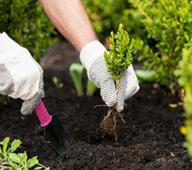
{"x":92,"y":57}
{"x":20,"y":75}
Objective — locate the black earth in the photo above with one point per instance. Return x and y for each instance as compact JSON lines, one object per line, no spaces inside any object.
{"x":150,"y":138}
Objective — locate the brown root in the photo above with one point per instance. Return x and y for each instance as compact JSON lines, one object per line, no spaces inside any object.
{"x":109,"y":123}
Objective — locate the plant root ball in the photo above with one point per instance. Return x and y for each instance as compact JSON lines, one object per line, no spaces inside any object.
{"x":109,"y":124}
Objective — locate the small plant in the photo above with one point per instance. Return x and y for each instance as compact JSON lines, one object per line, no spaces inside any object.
{"x":117,"y":59}
{"x":57,"y":82}
{"x":77,"y":71}
{"x":9,"y":160}
{"x":5,"y":151}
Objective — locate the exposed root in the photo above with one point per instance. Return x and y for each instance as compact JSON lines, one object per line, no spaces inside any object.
{"x":100,"y":105}
{"x":109,"y":123}
{"x":121,"y":116}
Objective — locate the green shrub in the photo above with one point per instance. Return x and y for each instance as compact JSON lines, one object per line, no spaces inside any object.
{"x":10,"y":160}
{"x":168,"y":28}
{"x":26,"y":22}
{"x":185,"y":81}
{"x":106,"y":15}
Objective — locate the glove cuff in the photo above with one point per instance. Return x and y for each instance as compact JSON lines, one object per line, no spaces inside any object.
{"x":90,"y":52}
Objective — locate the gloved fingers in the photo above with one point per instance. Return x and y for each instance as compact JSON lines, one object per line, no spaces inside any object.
{"x":121,"y":92}
{"x":20,"y":70}
{"x":29,"y":105}
{"x":108,"y":92}
{"x":127,"y":88}
{"x":103,"y":80}
{"x":132,"y":83}
{"x":98,"y":72}
{"x":6,"y":81}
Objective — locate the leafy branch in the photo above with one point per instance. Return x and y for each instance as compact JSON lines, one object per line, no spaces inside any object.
{"x":119,"y":57}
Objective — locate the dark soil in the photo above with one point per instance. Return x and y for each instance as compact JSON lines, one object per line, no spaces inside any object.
{"x":150,"y":138}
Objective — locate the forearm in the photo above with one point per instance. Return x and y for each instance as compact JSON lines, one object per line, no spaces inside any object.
{"x":70,"y":18}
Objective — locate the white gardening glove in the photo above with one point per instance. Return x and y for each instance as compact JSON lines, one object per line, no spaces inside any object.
{"x":92,"y":57}
{"x":20,"y":75}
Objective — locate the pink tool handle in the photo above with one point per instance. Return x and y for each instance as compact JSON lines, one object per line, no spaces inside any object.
{"x":42,"y":114}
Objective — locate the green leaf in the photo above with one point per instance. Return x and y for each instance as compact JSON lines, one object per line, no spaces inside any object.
{"x":24,"y":159}
{"x":32,"y":162}
{"x":13,"y":165}
{"x":5,"y":143}
{"x":76,"y":71}
{"x":38,"y":168}
{"x":91,"y":88}
{"x":15,"y":158}
{"x":146,"y":75}
{"x":14,"y":145}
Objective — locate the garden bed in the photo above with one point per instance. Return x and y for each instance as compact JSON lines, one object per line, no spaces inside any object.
{"x":150,"y":138}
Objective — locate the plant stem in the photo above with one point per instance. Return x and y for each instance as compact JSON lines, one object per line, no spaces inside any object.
{"x":117,"y":84}
{"x":112,"y":108}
